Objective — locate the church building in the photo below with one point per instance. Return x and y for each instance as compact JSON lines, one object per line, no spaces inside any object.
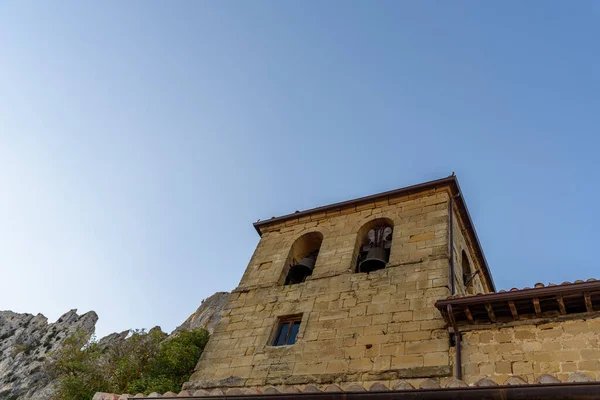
{"x":390,"y":297}
{"x":392,"y":291}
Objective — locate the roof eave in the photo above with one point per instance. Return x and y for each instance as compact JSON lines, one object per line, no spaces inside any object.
{"x":361,"y":200}
{"x":451,"y":180}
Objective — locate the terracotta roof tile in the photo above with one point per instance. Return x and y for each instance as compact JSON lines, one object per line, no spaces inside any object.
{"x":426,"y":384}
{"x":536,"y":286}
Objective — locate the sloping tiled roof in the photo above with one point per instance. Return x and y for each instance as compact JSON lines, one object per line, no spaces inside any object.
{"x":518,"y":304}
{"x":578,"y":385}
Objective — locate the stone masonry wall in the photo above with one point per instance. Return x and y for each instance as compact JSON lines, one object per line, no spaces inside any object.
{"x":558,"y":348}
{"x":462,"y":243}
{"x":355,"y":327}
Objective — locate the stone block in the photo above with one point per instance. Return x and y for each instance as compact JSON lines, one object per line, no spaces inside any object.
{"x":436,"y":358}
{"x":392,"y":349}
{"x":589,"y":365}
{"x":503,"y":337}
{"x":361,"y":321}
{"x":407,"y":361}
{"x":503,"y":367}
{"x":354,"y":352}
{"x":403,"y":316}
{"x":337,"y":366}
{"x":372,"y":339}
{"x":427,"y":346}
{"x":416,"y":335}
{"x":525,"y":335}
{"x":550,"y":333}
{"x":382,"y":363}
{"x":358,"y":311}
{"x":374,"y":309}
{"x":486,"y":337}
{"x":422,"y":237}
{"x":382,"y":319}
{"x":360,"y":364}
{"x":471,"y":369}
{"x":522,"y":368}
{"x":241,"y":361}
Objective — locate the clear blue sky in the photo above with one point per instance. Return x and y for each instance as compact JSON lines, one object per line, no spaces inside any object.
{"x":140,"y":140}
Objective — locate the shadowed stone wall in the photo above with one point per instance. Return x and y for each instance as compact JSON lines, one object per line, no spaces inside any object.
{"x":531,"y":349}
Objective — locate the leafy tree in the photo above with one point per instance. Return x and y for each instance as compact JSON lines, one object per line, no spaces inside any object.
{"x":145,"y":362}
{"x":77,"y":365}
{"x":174,"y":363}
{"x":132,"y":358}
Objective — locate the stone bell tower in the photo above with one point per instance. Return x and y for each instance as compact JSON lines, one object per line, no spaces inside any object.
{"x":345,"y":293}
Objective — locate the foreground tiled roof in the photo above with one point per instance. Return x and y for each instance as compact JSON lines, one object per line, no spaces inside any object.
{"x":518,"y":304}
{"x":575,"y":379}
{"x":536,"y":286}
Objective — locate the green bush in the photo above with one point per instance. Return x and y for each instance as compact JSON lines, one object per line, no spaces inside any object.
{"x":173,"y":364}
{"x":77,"y":366}
{"x":143,"y":363}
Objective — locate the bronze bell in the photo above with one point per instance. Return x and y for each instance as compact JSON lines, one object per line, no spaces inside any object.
{"x":301,"y":270}
{"x":377,"y":258}
{"x":307,"y":262}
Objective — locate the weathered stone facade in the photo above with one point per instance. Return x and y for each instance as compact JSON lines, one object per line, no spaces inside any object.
{"x":381,"y":326}
{"x":356,"y":327}
{"x":558,"y":348}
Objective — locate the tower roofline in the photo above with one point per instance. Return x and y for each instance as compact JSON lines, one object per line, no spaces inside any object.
{"x":451,"y":181}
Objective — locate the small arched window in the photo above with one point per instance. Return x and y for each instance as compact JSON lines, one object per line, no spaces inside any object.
{"x":374,"y":242}
{"x":302,"y":258}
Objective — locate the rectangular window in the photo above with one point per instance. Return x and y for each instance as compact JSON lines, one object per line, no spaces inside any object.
{"x":287,"y":330}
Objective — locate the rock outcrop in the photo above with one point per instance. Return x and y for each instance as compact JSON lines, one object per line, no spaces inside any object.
{"x":207,"y":315}
{"x":26,"y":341}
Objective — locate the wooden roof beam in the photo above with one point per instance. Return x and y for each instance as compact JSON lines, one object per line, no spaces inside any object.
{"x":561,"y":305}
{"x":513,"y":309}
{"x":467,"y":311}
{"x":490,"y":311}
{"x":588,"y":302}
{"x":536,"y":306}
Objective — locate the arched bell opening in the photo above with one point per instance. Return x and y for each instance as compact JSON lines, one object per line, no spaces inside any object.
{"x":374,"y":243}
{"x":302,"y":258}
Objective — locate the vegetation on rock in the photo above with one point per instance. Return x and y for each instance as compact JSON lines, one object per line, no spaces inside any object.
{"x":143,"y":363}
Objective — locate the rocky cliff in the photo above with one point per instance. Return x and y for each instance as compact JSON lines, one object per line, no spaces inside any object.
{"x":26,"y":342}
{"x":207,"y":315}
